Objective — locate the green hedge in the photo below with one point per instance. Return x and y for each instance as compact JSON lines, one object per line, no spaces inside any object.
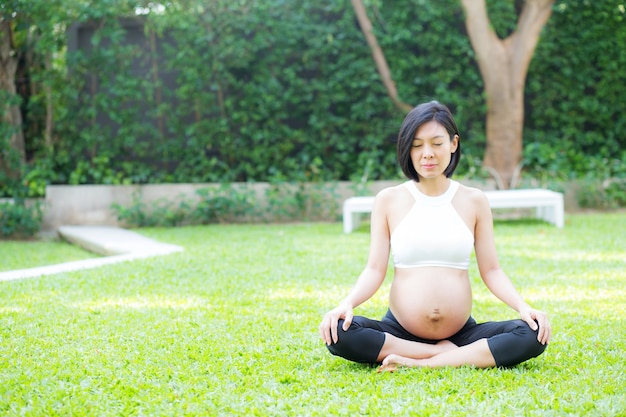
{"x":287,"y":91}
{"x":574,"y":92}
{"x":20,"y":218}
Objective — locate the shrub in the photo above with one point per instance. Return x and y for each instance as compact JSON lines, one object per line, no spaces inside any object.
{"x":230,"y":203}
{"x":224,"y":204}
{"x":159,"y":213}
{"x":20,"y":218}
{"x":608,"y":194}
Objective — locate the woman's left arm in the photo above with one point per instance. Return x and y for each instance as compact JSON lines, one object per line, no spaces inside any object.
{"x":494,"y":277}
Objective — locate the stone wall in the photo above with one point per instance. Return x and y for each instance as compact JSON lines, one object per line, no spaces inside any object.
{"x":91,"y":204}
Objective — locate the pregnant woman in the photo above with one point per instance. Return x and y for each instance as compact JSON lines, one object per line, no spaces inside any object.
{"x":430,"y":225}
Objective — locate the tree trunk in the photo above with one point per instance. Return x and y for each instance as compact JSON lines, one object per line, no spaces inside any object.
{"x":503,"y":65}
{"x":49,"y":105}
{"x":379,"y":57}
{"x":11,"y":115}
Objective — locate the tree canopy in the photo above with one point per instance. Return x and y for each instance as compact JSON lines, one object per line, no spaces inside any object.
{"x":272,"y":91}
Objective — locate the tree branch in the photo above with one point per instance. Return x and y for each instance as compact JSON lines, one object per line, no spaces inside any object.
{"x":483,"y":38}
{"x":377,"y":54}
{"x":521,"y":43}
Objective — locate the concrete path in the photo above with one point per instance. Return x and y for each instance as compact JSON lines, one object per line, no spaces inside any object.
{"x":117,"y":245}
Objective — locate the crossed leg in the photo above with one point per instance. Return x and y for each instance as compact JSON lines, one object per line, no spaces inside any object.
{"x":476,"y":354}
{"x":369,"y":341}
{"x":412,"y":350}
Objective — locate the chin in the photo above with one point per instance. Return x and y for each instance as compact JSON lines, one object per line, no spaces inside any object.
{"x":430,"y":175}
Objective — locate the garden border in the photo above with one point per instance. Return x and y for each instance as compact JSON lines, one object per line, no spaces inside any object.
{"x":118,"y":245}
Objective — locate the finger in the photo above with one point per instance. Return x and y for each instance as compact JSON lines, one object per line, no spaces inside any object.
{"x":347,"y":321}
{"x":543,"y":336}
{"x":328,"y":330}
{"x":333,"y":330}
{"x":325,"y":331}
{"x":543,"y":327}
{"x":547,"y":334}
{"x":531,"y":322}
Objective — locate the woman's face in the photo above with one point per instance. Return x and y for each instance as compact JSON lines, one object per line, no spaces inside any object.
{"x":432,"y":150}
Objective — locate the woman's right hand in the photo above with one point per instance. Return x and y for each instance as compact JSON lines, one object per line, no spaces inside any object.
{"x":328,"y":327}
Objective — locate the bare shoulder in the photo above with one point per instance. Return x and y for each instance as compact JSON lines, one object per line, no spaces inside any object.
{"x":390,"y":193}
{"x":473,"y":203}
{"x":390,"y":199}
{"x":471,"y":195}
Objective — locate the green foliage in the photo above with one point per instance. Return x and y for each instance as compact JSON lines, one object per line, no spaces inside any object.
{"x":20,"y":218}
{"x":163,"y":212}
{"x":228,"y":327}
{"x":97,"y":171}
{"x":299,"y":201}
{"x":574,"y":88}
{"x":224,"y":204}
{"x":608,"y":194}
{"x":287,"y":91}
{"x":235,"y":203}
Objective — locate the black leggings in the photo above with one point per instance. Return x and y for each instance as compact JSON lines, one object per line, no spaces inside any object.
{"x":511,"y":342}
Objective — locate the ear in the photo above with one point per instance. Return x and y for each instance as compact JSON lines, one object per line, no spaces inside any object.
{"x":455,"y":143}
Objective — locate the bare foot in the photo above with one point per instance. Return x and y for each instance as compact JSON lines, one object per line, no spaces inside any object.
{"x":392,"y":362}
{"x":392,"y":367}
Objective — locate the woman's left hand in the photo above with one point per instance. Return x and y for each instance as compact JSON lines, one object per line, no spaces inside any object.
{"x":535,"y":317}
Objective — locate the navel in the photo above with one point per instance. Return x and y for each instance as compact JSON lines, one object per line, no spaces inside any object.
{"x":434,"y":315}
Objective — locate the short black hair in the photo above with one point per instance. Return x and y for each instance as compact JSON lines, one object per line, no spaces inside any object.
{"x":422,"y":114}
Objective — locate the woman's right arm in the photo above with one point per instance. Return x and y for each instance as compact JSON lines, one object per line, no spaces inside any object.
{"x":369,"y":280}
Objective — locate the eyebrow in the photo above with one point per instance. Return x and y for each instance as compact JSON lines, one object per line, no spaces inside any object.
{"x":434,"y":137}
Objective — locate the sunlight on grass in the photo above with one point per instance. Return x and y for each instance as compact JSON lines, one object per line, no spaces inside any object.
{"x":22,"y":255}
{"x":580,"y":255}
{"x":229,"y":328}
{"x":6,"y":310}
{"x":141,"y":303}
{"x":296,"y":293}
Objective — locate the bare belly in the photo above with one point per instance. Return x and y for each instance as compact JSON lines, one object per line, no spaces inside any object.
{"x":431,"y":302}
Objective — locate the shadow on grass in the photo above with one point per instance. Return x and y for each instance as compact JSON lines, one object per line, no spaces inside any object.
{"x":521,"y":222}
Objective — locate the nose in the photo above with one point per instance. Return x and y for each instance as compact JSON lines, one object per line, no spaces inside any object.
{"x":428,"y":152}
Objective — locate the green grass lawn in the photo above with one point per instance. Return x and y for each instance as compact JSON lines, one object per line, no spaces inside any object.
{"x":229,"y":328}
{"x":30,"y":254}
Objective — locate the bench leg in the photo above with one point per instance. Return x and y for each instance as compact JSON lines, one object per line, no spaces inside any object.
{"x":350,"y":221}
{"x":544,"y":213}
{"x":347,"y":221}
{"x":559,"y":213}
{"x":355,"y":220}
{"x":552,"y":213}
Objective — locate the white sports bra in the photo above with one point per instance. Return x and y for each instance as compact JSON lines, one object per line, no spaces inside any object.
{"x":432,"y":233}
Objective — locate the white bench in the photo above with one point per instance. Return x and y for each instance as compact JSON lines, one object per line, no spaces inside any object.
{"x":548,"y":205}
